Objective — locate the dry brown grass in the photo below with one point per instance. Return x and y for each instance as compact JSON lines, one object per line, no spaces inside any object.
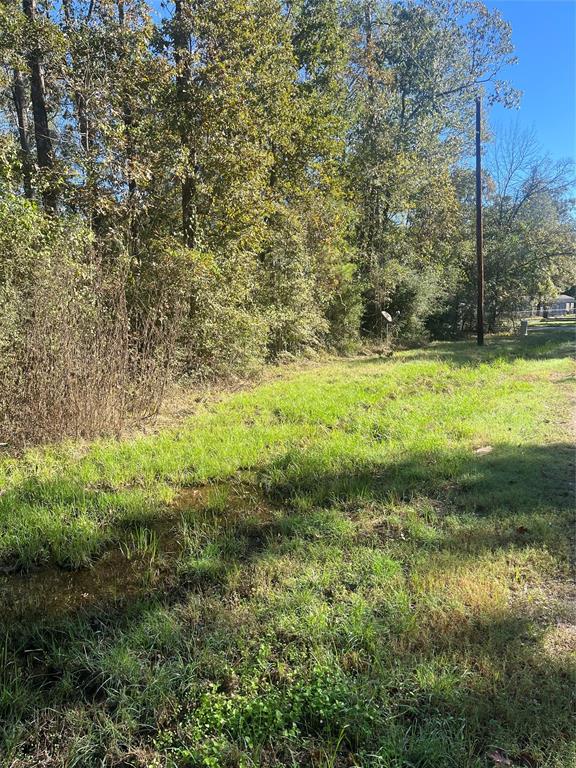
{"x":79,"y":365}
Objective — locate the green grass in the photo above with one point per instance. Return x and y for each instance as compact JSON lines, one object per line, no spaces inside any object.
{"x":363,"y":563}
{"x":563,"y":320}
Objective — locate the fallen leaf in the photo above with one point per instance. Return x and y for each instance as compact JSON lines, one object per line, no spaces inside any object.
{"x":498,"y":756}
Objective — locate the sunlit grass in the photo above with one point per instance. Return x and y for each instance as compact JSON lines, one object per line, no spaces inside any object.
{"x":370,"y":567}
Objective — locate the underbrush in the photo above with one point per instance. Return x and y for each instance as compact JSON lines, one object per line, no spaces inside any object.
{"x":77,"y":357}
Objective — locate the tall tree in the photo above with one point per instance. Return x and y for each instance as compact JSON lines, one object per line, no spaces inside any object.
{"x":43,"y":139}
{"x":530,"y":226}
{"x":414,"y":71}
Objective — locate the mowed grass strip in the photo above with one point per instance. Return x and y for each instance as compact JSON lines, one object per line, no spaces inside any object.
{"x":377,"y":574}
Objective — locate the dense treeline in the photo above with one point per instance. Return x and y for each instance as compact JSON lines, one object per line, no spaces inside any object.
{"x":197,"y":187}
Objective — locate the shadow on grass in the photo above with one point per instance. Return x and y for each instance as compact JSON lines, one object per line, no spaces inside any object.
{"x":542,"y":345}
{"x":432,"y":706}
{"x":519,"y":495}
{"x":526,"y":492}
{"x":507,"y":479}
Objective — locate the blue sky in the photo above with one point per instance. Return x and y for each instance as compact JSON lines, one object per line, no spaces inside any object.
{"x":544,"y":33}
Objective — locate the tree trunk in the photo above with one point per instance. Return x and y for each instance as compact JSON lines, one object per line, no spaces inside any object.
{"x":79,"y":98}
{"x":181,"y":41}
{"x":19,"y":97}
{"x":189,"y":211}
{"x":128,"y":118}
{"x":44,"y":147}
{"x":493,"y":322}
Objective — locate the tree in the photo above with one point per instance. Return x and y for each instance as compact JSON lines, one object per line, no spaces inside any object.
{"x":530,"y":230}
{"x":413,"y":71}
{"x":529,"y":234}
{"x":260,"y":177}
{"x":44,"y":146}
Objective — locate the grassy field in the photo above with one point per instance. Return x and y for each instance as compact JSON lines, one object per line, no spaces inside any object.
{"x":563,"y":320}
{"x":361,"y":563}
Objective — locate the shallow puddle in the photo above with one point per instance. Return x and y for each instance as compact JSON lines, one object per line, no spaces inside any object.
{"x":130,"y":568}
{"x":52,"y":591}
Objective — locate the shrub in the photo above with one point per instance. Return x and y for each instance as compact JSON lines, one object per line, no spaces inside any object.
{"x":72,"y":360}
{"x":224,"y":331}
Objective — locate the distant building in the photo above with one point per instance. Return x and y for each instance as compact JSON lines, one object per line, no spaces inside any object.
{"x":561,"y":305}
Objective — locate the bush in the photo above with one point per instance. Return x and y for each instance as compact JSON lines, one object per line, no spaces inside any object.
{"x":224,"y":332}
{"x":90,"y":335}
{"x":72,"y":360}
{"x":307,"y":285}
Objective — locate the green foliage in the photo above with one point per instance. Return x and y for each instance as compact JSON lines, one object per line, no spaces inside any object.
{"x":529,"y":237}
{"x":225,"y":331}
{"x":245,"y":180}
{"x":324,"y":704}
{"x":415,"y":69}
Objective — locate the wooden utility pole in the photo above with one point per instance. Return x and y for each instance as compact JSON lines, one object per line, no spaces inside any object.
{"x":479,"y":237}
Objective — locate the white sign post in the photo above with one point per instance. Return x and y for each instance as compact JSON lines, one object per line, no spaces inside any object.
{"x":388,"y":318}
